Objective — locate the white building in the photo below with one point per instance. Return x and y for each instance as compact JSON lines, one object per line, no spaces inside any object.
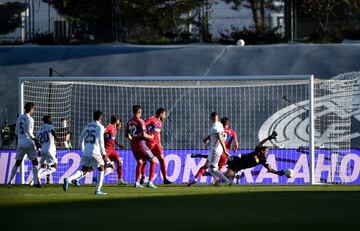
{"x":39,"y":18}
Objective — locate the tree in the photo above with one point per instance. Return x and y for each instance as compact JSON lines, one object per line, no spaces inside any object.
{"x":156,"y":20}
{"x":140,"y":20}
{"x":89,"y":16}
{"x":353,"y":18}
{"x":10,"y":16}
{"x":257,"y":8}
{"x":322,"y":11}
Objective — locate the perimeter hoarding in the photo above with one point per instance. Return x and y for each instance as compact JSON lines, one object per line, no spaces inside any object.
{"x":329,"y":167}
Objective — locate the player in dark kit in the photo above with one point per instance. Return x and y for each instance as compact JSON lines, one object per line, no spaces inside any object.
{"x":249,"y":160}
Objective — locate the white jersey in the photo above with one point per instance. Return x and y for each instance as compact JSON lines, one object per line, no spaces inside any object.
{"x":46,"y":139}
{"x":24,"y":130}
{"x":92,"y":139}
{"x":216,"y":129}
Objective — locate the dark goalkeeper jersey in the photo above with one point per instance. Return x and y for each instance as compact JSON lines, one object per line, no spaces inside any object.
{"x":248,"y":160}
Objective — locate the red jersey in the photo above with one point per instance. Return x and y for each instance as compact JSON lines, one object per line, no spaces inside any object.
{"x":153,"y":127}
{"x":110,"y":136}
{"x":136,"y":128}
{"x":230,"y":136}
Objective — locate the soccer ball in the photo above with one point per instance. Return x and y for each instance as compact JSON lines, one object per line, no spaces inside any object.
{"x":289,"y":173}
{"x":240,"y":43}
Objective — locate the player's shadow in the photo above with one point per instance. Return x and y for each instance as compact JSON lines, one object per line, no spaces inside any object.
{"x":222,"y":211}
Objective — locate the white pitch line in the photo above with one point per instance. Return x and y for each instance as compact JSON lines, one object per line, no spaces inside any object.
{"x":221,"y":53}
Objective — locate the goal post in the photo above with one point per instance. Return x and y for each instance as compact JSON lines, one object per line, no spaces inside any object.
{"x":311,"y":129}
{"x":249,"y":102}
{"x":21,"y":111}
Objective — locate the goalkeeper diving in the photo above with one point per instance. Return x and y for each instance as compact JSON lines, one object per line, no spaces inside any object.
{"x":249,"y":160}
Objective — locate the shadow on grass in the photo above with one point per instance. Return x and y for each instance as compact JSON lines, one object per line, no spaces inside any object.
{"x":232,"y":211}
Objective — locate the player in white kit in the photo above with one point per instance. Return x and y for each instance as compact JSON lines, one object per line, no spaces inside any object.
{"x":216,"y":147}
{"x":92,"y":140}
{"x":47,"y":136}
{"x":26,"y":143}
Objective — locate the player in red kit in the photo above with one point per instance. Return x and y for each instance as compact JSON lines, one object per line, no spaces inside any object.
{"x":153,"y":126}
{"x":136,"y":132}
{"x":110,"y":142}
{"x":229,"y":139}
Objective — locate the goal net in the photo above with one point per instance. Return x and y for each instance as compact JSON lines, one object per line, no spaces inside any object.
{"x":312,"y":118}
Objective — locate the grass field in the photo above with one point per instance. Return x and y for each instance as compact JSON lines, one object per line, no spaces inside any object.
{"x":333,"y":207}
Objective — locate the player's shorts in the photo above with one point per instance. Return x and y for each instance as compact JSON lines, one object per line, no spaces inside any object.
{"x":142,"y":153}
{"x":155,"y":148}
{"x":235,"y":164}
{"x":93,"y":161}
{"x":223,"y":160}
{"x":213,"y":159}
{"x":30,"y":151}
{"x":48,"y":158}
{"x":112,"y":154}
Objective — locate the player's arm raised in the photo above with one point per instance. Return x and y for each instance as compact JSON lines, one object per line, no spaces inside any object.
{"x":271,"y":137}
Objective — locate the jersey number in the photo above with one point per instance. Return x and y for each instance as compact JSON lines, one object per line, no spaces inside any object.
{"x":133,"y":131}
{"x":44,"y":137}
{"x":90,"y":136}
{"x":21,"y":128}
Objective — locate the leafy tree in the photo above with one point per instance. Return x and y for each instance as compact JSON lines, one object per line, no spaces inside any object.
{"x":140,"y":20}
{"x":156,"y":20}
{"x":353,"y":13}
{"x":321,"y":11}
{"x":10,"y":16}
{"x":89,"y":16}
{"x":257,"y":8}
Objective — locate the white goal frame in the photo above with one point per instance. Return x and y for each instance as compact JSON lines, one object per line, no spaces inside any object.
{"x":309,"y":78}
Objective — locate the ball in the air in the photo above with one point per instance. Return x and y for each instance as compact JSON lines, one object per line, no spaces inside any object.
{"x":289,"y":173}
{"x":240,"y":43}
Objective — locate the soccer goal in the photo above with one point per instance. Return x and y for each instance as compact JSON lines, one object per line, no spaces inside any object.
{"x":311,"y":116}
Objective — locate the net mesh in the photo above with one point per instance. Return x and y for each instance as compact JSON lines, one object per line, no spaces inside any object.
{"x":255,"y":108}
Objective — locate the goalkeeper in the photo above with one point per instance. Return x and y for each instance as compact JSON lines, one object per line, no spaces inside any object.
{"x":249,"y":160}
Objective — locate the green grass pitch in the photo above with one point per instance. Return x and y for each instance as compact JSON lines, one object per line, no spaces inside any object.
{"x":245,"y":207}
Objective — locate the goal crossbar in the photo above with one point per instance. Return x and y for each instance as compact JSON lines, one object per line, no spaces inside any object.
{"x":309,"y":79}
